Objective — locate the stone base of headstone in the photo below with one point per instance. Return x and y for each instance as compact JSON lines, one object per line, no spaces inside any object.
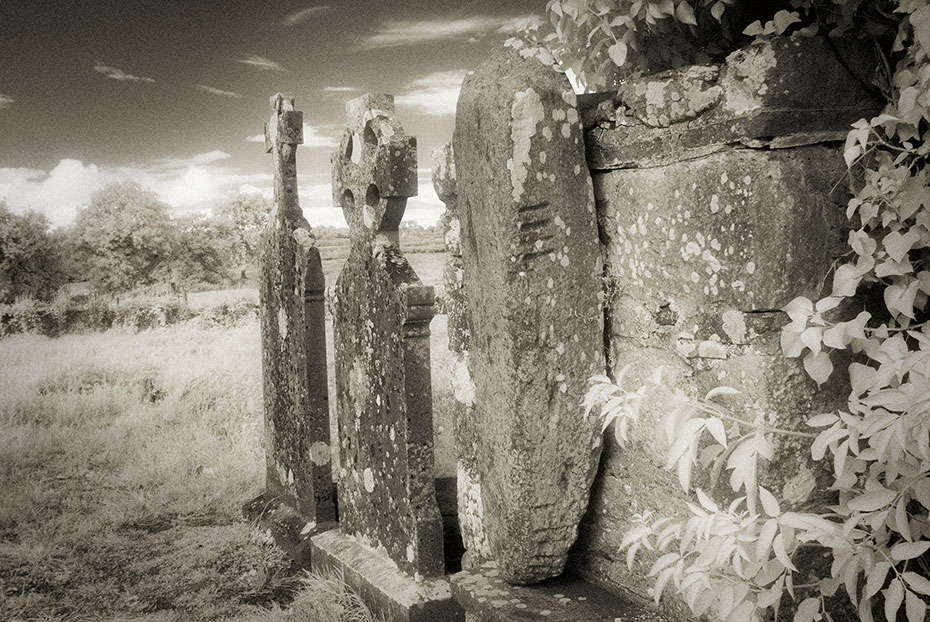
{"x":386,"y":590}
{"x":452,"y":546}
{"x":487,"y":597}
{"x":290,"y":529}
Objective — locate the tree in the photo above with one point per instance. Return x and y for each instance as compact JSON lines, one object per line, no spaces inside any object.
{"x":30,"y":260}
{"x":245,"y":215}
{"x":127,"y":234}
{"x":200,"y":253}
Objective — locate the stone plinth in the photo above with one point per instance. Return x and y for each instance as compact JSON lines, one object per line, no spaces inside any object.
{"x":386,"y":590}
{"x":293,"y":338}
{"x":381,"y":326}
{"x":532,"y":278}
{"x":487,"y":597}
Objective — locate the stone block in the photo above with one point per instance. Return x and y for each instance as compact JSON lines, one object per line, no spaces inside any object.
{"x":386,"y":590}
{"x":290,"y":530}
{"x":532,"y":279}
{"x":487,"y":597}
{"x":777,"y":93}
{"x":381,"y":321}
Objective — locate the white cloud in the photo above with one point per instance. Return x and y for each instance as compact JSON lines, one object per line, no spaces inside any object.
{"x":413,"y":32}
{"x":201,"y":158}
{"x":215,"y":91}
{"x":6,"y":100}
{"x":187,"y":185}
{"x":119,"y":74}
{"x":321,"y":136}
{"x":304,"y":14}
{"x":433,"y":94}
{"x":56,"y":193}
{"x":261,"y":63}
{"x":339,"y":89}
{"x":315,"y":136}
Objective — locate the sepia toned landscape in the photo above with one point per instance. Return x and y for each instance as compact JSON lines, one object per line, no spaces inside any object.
{"x":575,"y":310}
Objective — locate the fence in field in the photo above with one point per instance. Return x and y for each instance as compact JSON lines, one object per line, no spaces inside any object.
{"x":662,"y":225}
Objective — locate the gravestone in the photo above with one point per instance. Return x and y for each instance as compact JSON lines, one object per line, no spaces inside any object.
{"x":299,"y":494}
{"x":465,"y":431}
{"x":532,"y":278}
{"x":381,"y":323}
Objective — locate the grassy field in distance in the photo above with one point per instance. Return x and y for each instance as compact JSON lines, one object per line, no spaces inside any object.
{"x":428,"y":267}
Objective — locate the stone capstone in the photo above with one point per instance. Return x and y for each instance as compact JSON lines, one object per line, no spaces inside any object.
{"x":776,"y":93}
{"x":532,"y":278}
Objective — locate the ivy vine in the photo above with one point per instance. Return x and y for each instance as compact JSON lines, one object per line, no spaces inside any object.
{"x":739,"y":561}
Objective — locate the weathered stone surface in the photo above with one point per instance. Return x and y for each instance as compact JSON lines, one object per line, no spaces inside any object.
{"x":777,"y":93}
{"x":744,"y":229}
{"x":702,"y":251}
{"x":293,"y":336}
{"x":486,"y":597}
{"x":381,"y":325}
{"x":387,"y":591}
{"x":532,"y":274}
{"x":465,"y":429}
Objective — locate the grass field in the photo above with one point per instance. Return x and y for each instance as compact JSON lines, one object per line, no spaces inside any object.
{"x":124,"y":460}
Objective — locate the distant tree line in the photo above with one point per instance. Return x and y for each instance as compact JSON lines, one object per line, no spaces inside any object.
{"x":125,"y":239}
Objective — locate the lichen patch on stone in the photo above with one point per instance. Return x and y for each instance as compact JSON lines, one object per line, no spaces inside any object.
{"x":525,"y":112}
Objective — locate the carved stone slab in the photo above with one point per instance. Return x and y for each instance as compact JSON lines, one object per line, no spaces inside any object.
{"x":468,"y":485}
{"x":381,"y":322}
{"x":293,"y":336}
{"x":532,"y":278}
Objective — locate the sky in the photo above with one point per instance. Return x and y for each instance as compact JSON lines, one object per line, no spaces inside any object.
{"x":174,"y":94}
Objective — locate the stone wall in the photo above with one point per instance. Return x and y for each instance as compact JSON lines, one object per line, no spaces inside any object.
{"x":721,"y":194}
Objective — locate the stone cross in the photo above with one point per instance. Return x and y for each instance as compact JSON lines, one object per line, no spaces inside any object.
{"x":532,"y":278}
{"x":293,"y":336}
{"x":381,"y":323}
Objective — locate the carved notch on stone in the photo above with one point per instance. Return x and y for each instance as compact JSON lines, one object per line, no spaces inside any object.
{"x":381,"y":324}
{"x":532,"y":278}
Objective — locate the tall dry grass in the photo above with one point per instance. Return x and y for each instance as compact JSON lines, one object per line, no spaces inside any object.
{"x":124,"y":459}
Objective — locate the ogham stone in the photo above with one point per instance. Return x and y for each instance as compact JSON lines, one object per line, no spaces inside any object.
{"x":465,"y":431}
{"x":293,"y":335}
{"x":532,"y":278}
{"x":381,"y":323}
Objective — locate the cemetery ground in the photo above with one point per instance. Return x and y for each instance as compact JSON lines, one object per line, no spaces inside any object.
{"x":124,"y":461}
